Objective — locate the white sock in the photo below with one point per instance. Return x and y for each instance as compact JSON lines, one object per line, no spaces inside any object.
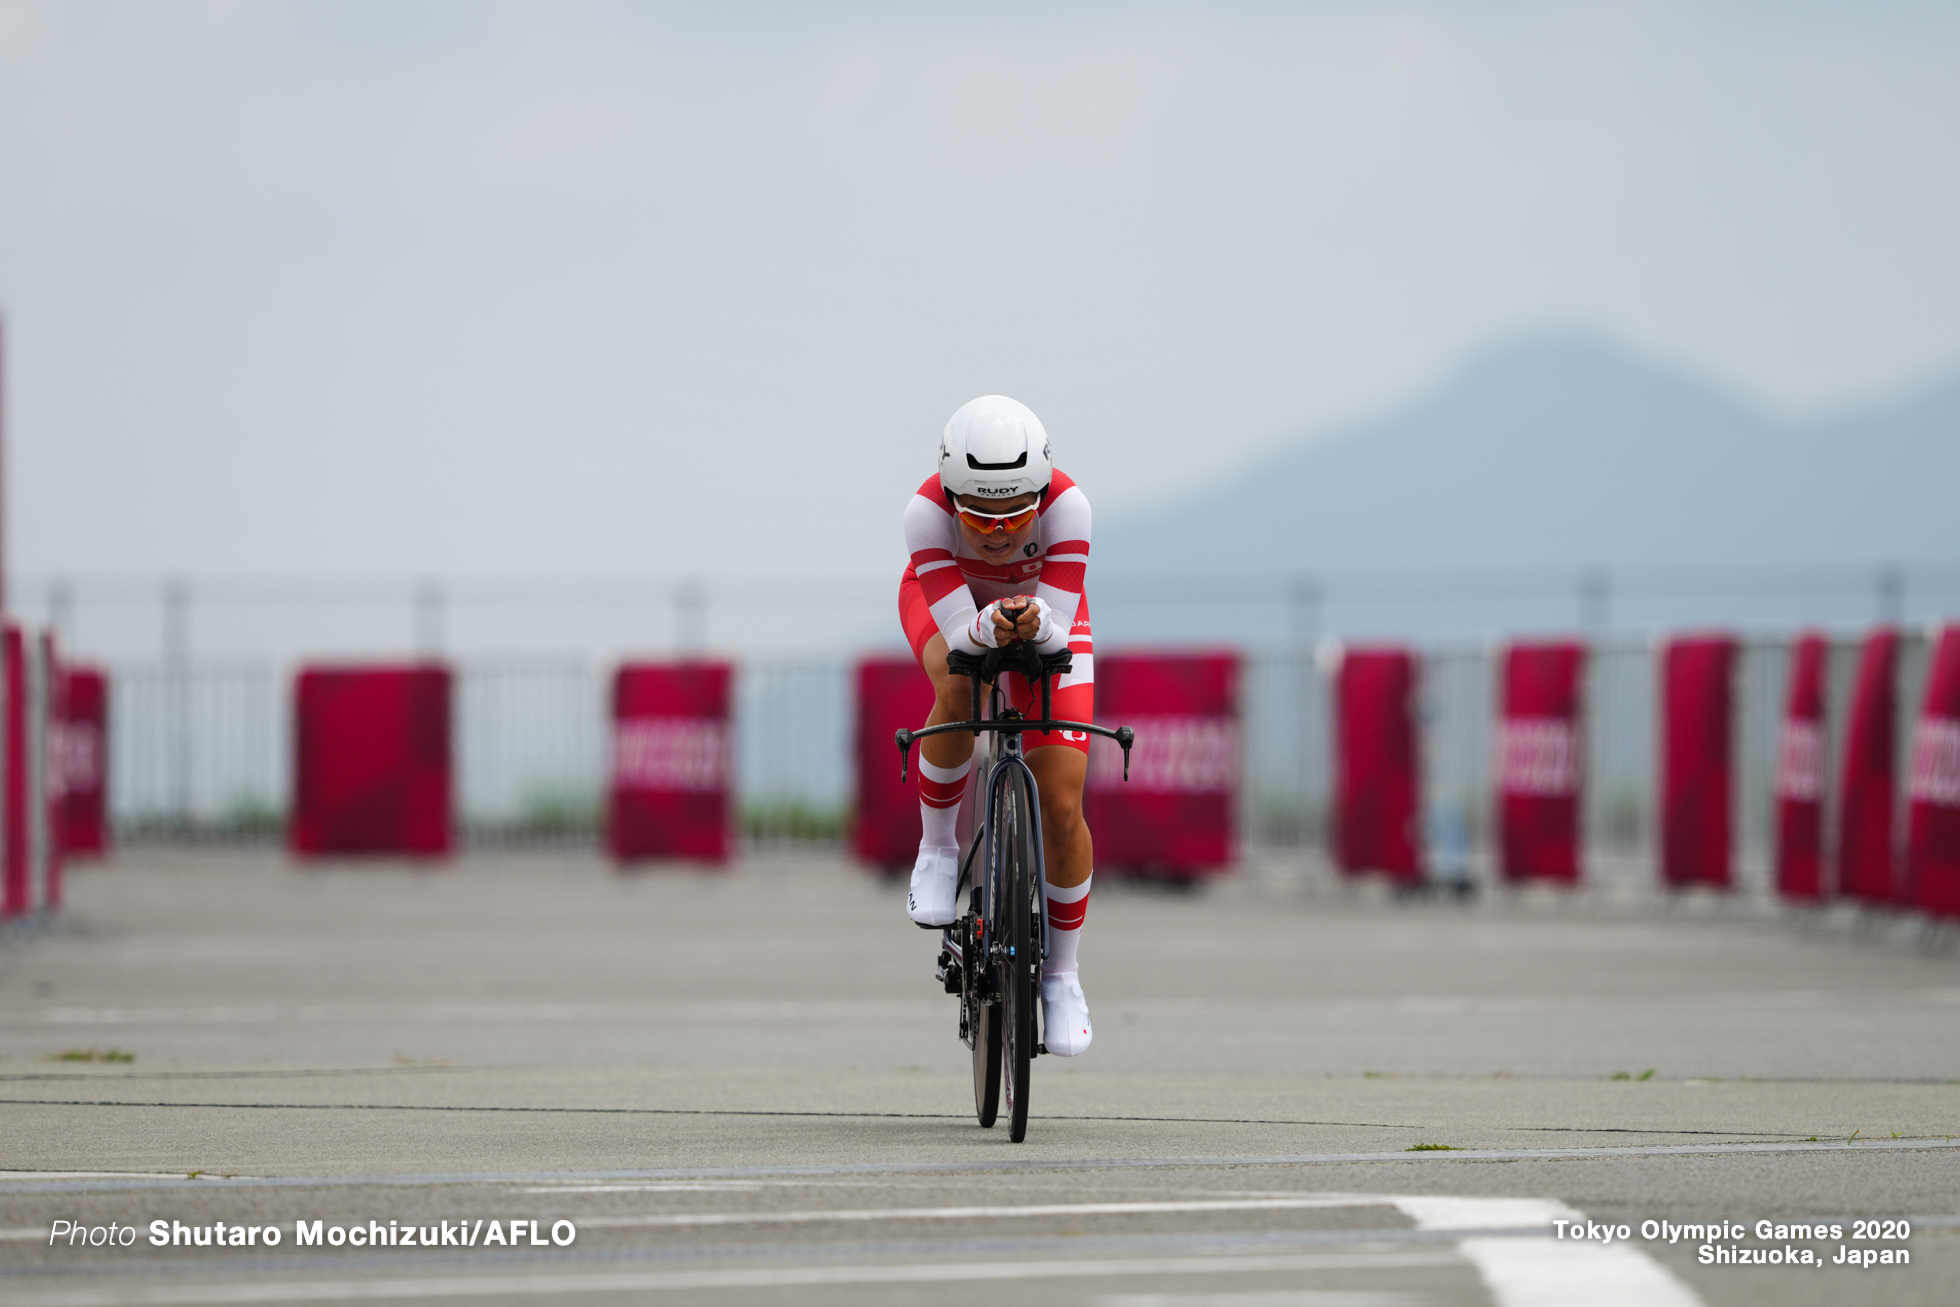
{"x":940,"y":792}
{"x":1066,"y":909}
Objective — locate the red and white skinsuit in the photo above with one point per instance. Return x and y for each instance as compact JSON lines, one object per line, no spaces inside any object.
{"x":947,"y":584}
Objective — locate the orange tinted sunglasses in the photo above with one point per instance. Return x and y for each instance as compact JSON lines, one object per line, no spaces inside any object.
{"x":987,"y":523}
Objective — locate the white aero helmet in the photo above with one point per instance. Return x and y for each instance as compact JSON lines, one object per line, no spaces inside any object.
{"x":994,"y":448}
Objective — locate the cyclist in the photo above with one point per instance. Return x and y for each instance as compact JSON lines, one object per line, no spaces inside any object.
{"x":999,"y":542}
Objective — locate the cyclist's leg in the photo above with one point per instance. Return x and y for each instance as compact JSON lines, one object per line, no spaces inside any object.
{"x":1061,"y":769}
{"x":944,"y":764}
{"x":951,"y":695}
{"x":1061,"y":763}
{"x":952,"y":701}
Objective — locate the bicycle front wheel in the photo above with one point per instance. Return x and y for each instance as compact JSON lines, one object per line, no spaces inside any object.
{"x":1021,"y":968}
{"x":983,"y":1027}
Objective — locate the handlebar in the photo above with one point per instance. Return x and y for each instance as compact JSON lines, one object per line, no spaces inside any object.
{"x":1019,"y":656}
{"x":986,"y":669}
{"x":1123,"y":735}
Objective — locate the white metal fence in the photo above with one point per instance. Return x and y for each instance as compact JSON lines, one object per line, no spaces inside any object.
{"x":202,"y":749}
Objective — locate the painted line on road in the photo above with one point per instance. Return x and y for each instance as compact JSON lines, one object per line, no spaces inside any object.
{"x":87,"y":1175}
{"x":123,"y":1075}
{"x":1419,"y":1005}
{"x":1604,"y":1152}
{"x":444,"y":1013}
{"x":1270,"y":1298}
{"x":707,"y":1111}
{"x":853,"y":1116}
{"x":664,"y":1187}
{"x":787,"y":1277}
{"x":288,"y":1073}
{"x":1540,"y":1269}
{"x":921,"y":1243}
{"x":996,"y":1212}
{"x":1508,"y":1240}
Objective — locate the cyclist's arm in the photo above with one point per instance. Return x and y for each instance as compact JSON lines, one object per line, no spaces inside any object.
{"x":930,"y":535}
{"x":1064,"y":567}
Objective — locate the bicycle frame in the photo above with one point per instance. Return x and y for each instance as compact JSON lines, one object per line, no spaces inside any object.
{"x":986,"y":670}
{"x":999,"y":987}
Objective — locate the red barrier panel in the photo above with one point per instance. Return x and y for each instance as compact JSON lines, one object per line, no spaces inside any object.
{"x":1376,"y":790}
{"x":1800,"y":774}
{"x":80,"y":750}
{"x":1933,"y":829}
{"x":52,"y":685}
{"x":1178,"y":813}
{"x":1540,"y":760}
{"x":672,"y":762}
{"x":371,"y":771}
{"x":1868,"y":793}
{"x":16,"y":883}
{"x":892,"y":693}
{"x":1697,"y":761}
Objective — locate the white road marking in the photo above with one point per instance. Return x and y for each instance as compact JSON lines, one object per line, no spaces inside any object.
{"x":1431,"y":1005}
{"x":37,"y":1232}
{"x":94,"y":1175}
{"x":1270,"y":1298}
{"x":1528,"y":1269}
{"x":169,"y":1295}
{"x":253,"y":1014}
{"x":1547,"y":1273}
{"x":1543,"y":1271}
{"x":21,"y":1181}
{"x":662,"y":1187}
{"x":1535,"y":1270}
{"x":985,"y":1213}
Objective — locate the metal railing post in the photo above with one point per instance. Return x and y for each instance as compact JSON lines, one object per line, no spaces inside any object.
{"x":690,"y":617}
{"x":429,"y":611}
{"x":177,"y":691}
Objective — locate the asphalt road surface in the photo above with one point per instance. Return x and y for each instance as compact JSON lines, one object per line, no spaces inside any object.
{"x":745,"y":1087}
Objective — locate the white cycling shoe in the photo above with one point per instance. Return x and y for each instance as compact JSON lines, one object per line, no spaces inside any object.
{"x":1065,"y":1029}
{"x":935,"y":886}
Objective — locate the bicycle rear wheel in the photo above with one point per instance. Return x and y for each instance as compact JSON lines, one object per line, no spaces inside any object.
{"x":1021,"y":966}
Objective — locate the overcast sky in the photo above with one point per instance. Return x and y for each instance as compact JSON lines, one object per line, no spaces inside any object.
{"x":483,"y":289}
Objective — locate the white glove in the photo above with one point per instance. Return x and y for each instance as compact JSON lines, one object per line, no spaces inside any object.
{"x":1050,"y":636}
{"x":983,"y":629}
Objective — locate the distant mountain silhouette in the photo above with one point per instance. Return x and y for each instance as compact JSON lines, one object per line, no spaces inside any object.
{"x":1571,"y":452}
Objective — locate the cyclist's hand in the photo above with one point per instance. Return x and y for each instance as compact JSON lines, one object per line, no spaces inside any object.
{"x":1007,"y":620}
{"x":990,"y":629}
{"x":1026,"y":616}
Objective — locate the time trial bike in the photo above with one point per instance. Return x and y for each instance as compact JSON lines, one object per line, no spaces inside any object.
{"x":992,"y":956}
